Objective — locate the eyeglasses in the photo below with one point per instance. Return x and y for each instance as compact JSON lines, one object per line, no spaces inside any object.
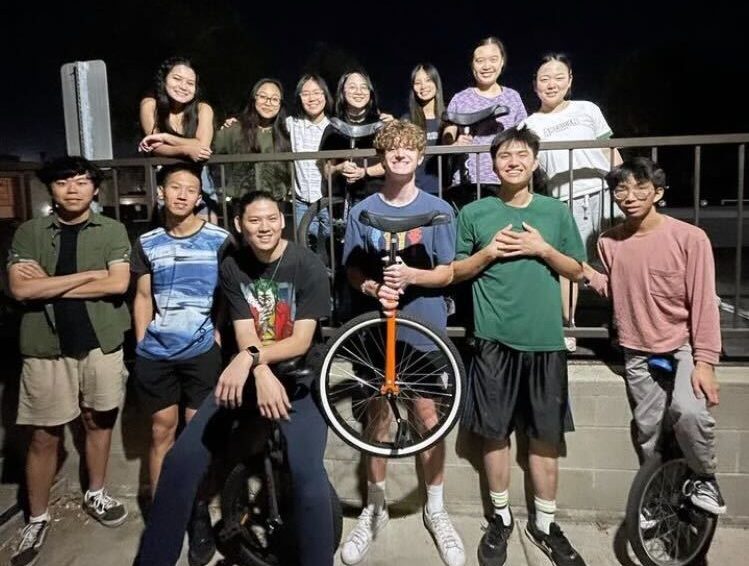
{"x":357,"y":88}
{"x":311,"y":94}
{"x":272,"y":100}
{"x":640,"y":193}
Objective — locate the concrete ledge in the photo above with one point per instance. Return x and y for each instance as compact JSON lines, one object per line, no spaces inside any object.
{"x":594,"y":479}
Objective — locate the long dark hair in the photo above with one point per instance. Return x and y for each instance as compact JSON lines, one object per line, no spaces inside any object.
{"x":164,"y":104}
{"x":416,"y":111}
{"x":298,"y":107}
{"x":249,"y":121}
{"x":372,"y":111}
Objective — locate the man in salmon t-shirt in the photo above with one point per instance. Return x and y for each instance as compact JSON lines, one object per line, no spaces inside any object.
{"x":659,"y":273}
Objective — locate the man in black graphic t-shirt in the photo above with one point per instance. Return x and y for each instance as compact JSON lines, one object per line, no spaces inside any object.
{"x":276,"y":292}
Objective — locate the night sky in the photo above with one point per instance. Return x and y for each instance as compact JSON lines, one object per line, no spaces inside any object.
{"x":654,"y":69}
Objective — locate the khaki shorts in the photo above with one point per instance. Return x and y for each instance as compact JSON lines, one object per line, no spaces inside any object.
{"x":53,"y":390}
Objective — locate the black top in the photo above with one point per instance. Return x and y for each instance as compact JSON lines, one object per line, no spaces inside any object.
{"x":276,"y":294}
{"x":333,"y":140}
{"x":73,"y":326}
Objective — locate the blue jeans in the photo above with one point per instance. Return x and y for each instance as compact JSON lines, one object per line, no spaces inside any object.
{"x":320,"y":225}
{"x":187,"y":461}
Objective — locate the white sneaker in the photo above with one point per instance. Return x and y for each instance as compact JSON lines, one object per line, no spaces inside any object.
{"x":570,"y":343}
{"x":357,"y":542}
{"x":445,"y":536}
{"x":32,"y":539}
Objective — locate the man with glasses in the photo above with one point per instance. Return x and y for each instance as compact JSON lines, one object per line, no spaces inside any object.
{"x":70,"y":270}
{"x":660,"y":274}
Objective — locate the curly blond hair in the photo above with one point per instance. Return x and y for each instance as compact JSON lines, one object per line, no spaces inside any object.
{"x":400,"y":133}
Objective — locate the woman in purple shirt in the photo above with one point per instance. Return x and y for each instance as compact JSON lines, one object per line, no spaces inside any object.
{"x":489,"y":58}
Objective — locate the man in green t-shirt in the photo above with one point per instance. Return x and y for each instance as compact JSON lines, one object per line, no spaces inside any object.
{"x":514,"y":246}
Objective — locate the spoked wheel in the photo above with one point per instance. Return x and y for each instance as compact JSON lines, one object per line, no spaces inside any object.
{"x":663,"y":527}
{"x":303,"y":235}
{"x":429,"y":375}
{"x":244,"y":512}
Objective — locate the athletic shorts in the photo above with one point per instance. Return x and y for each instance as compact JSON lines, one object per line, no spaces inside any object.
{"x":163,"y":383}
{"x":509,"y":389}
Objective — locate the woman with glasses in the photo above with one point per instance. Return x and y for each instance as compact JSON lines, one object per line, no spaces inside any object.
{"x":313,"y":103}
{"x":356,"y":103}
{"x":562,"y":119}
{"x":260,"y":128}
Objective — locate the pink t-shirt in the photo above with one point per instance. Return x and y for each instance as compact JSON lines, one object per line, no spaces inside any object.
{"x":662,"y":284}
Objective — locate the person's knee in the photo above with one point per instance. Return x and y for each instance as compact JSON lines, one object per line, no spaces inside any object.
{"x":690,"y":415}
{"x":45,"y":439}
{"x":163,"y":430}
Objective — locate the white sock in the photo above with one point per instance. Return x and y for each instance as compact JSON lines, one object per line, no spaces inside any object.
{"x":90,"y":494}
{"x":435,"y":498}
{"x":39,"y":518}
{"x":544,"y":513}
{"x":501,"y":504}
{"x":376,"y":495}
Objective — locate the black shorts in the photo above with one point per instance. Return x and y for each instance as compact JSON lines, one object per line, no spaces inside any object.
{"x":163,"y":383}
{"x":510,"y":389}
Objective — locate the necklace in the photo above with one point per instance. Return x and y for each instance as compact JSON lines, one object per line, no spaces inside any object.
{"x":278,"y":264}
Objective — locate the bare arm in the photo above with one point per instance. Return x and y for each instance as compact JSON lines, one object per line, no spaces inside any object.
{"x":400,"y":276}
{"x":148,"y":115}
{"x":142,"y":306}
{"x":115,"y":283}
{"x":28,"y":282}
{"x":169,"y":145}
{"x":470,"y":267}
{"x":273,"y":402}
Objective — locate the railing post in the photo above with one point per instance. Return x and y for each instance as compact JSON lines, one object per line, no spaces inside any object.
{"x":739,"y":233}
{"x":696,"y":184}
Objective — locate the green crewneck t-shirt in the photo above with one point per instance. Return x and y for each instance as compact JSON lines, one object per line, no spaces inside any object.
{"x":518,"y":301}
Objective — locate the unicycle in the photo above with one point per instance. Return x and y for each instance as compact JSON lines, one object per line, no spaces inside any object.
{"x":380,"y":374}
{"x":663,"y":527}
{"x":256,"y":498}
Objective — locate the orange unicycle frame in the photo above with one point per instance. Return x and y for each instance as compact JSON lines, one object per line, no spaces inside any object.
{"x":390,"y":386}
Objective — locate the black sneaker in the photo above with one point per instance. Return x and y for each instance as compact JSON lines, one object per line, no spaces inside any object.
{"x":32,"y":539}
{"x":493,"y":546}
{"x":555,"y":545}
{"x":705,"y":494}
{"x":109,"y":511}
{"x":202,"y":545}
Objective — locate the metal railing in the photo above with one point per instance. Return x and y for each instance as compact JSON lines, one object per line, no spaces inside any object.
{"x":739,"y":323}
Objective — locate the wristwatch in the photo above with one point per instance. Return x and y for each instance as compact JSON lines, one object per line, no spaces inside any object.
{"x":254,"y":354}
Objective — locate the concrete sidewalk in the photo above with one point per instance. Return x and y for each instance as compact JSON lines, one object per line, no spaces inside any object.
{"x":77,"y":540}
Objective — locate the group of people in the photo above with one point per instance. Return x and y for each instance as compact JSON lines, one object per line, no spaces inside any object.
{"x":195,"y":281}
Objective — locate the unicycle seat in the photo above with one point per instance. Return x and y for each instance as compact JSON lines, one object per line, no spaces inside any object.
{"x":395,"y":224}
{"x":471,"y":118}
{"x":355,"y":131}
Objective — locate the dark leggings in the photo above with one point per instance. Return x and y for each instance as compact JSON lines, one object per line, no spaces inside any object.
{"x":188,"y":460}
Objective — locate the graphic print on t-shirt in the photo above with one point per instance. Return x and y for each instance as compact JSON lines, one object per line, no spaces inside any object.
{"x":272,"y":307}
{"x":381,"y":240}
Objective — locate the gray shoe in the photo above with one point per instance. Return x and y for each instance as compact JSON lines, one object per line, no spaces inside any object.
{"x":109,"y":511}
{"x":32,"y":539}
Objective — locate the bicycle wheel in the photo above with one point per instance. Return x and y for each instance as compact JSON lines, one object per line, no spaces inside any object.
{"x":429,"y":375}
{"x":663,"y":527}
{"x":244,"y":512}
{"x":303,"y":235}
